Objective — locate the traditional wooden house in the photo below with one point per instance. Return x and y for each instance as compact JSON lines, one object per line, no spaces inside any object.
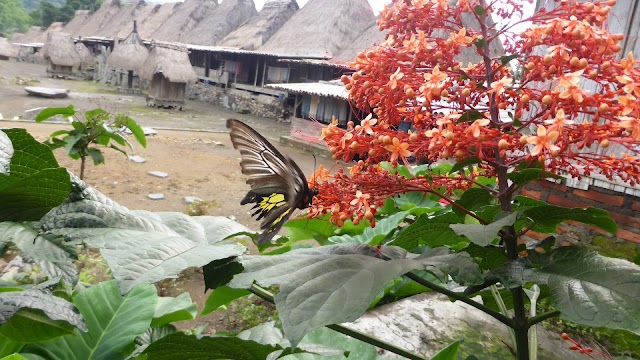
{"x":168,"y":71}
{"x":60,"y":54}
{"x":129,"y":55}
{"x":259,"y":28}
{"x":229,"y":15}
{"x":7,"y":49}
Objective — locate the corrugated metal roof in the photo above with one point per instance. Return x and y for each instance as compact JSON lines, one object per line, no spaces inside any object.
{"x":332,"y":62}
{"x":319,"y":88}
{"x":230,"y":50}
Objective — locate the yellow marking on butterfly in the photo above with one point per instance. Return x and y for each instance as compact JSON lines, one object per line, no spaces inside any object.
{"x":281,"y":216}
{"x":272,"y":201}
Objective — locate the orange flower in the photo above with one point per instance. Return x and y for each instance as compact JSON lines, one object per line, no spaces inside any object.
{"x":631,"y":125}
{"x":630,"y":104}
{"x":629,"y":85}
{"x":366,"y":124}
{"x":393,"y":79}
{"x":397,"y":149}
{"x":460,"y":38}
{"x":558,"y":122}
{"x":498,"y":87}
{"x":474,"y":129}
{"x":543,"y":140}
{"x":435,"y":79}
{"x":559,"y":50}
{"x":573,"y":92}
{"x":570,"y":79}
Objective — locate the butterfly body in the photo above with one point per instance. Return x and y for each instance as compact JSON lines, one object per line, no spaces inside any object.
{"x":278,"y":186}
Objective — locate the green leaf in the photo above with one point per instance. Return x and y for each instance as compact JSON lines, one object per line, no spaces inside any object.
{"x":30,"y":326}
{"x":374,"y":235}
{"x":8,"y":347}
{"x":479,"y":10}
{"x":474,"y":199}
{"x":181,"y":346}
{"x":53,"y":307}
{"x":470,"y":115}
{"x":51,"y":112}
{"x":483,"y":235}
{"x":451,"y":351}
{"x":591,"y":289}
{"x":96,"y":155}
{"x":441,"y":262}
{"x":480,"y":43}
{"x":330,"y":339}
{"x":504,"y":60}
{"x":419,"y":203}
{"x":303,"y":229}
{"x":488,"y":257}
{"x":464,"y":163}
{"x":221,"y":297}
{"x":547,"y":218}
{"x":522,"y":177}
{"x":219,"y":272}
{"x":169,"y":309}
{"x":150,"y":336}
{"x":113,"y":322}
{"x":136,"y":130}
{"x":95,"y":114}
{"x":36,"y":183}
{"x":322,"y":286}
{"x":433,"y":232}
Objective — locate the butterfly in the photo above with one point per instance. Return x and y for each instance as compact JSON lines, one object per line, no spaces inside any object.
{"x":278,"y":186}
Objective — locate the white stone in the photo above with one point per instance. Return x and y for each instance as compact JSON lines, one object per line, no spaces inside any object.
{"x":159,"y":174}
{"x":136,"y":159}
{"x":157,"y":196}
{"x":191,"y":199}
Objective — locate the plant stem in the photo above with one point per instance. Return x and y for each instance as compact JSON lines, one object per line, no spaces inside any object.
{"x":503,"y":319}
{"x":266,"y":295}
{"x":543,"y":317}
{"x":503,"y":310}
{"x":82,"y":162}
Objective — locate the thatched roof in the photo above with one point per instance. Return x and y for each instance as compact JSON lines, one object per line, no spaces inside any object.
{"x":121,"y":23}
{"x":79,"y":20}
{"x":60,"y":49}
{"x":101,"y":19}
{"x":7,"y":49}
{"x":28,"y":37}
{"x":184,"y":19}
{"x":321,"y":28}
{"x":172,"y":61}
{"x":228,"y":16}
{"x":54,"y":27}
{"x":258,"y":29}
{"x":370,"y":37}
{"x":156,"y":17}
{"x":86,"y":58}
{"x":129,"y":54}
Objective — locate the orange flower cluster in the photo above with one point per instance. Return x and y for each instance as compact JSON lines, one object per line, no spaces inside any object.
{"x":568,"y":104}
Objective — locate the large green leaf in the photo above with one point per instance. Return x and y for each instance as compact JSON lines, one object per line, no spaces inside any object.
{"x":374,"y":235}
{"x":141,"y":246}
{"x":171,"y":309}
{"x":591,"y":289}
{"x":302,"y":229}
{"x":51,"y":112}
{"x":483,"y":235}
{"x":54,"y":308}
{"x":474,"y":199}
{"x":54,"y":260}
{"x":430,"y":231}
{"x":35,"y":182}
{"x":113,"y":321}
{"x":29,"y":326}
{"x":220,"y":297}
{"x":7,"y":346}
{"x":448,"y":353}
{"x":179,"y":346}
{"x":547,"y":218}
{"x":442,"y":261}
{"x":322,"y":286}
{"x":524,"y":176}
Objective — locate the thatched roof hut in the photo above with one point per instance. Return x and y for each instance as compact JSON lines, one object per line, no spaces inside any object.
{"x":54,"y":27}
{"x":7,"y":50}
{"x":228,"y":16}
{"x":258,"y":29}
{"x":370,"y":37}
{"x":86,"y":58}
{"x":59,"y":49}
{"x":120,"y":26}
{"x":28,"y":37}
{"x":130,"y":54}
{"x":79,"y":20}
{"x":168,"y":70}
{"x":156,"y":17}
{"x":321,"y":28}
{"x":101,"y":19}
{"x":184,"y":19}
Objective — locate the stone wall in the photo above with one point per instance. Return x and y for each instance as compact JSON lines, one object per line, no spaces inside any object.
{"x":260,"y":105}
{"x":620,"y":200}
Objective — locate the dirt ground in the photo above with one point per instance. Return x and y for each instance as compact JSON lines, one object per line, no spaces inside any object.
{"x":199,"y":159}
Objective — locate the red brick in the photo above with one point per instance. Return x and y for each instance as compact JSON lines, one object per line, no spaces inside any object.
{"x":635,"y":205}
{"x":625,"y":220}
{"x":614,"y":200}
{"x":552,"y":185}
{"x":566,"y":202}
{"x":531,"y":193}
{"x":536,"y":235}
{"x":628,"y":235}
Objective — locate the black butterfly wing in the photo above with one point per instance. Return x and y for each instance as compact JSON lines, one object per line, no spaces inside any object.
{"x":277,"y":183}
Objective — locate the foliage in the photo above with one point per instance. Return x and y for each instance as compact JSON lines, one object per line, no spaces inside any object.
{"x":99,"y":128}
{"x":13,"y":17}
{"x":50,"y":11}
{"x":199,"y":208}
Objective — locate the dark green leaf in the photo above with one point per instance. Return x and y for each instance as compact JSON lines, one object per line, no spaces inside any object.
{"x":488,"y":257}
{"x":470,"y":115}
{"x":136,"y":130}
{"x":96,"y":155}
{"x":51,"y":112}
{"x":221,"y":297}
{"x":522,"y":177}
{"x":374,"y":235}
{"x":504,"y":60}
{"x":479,"y":10}
{"x":433,"y":232}
{"x":441,"y":262}
{"x":30,"y":326}
{"x":474,"y":199}
{"x":178,"y":346}
{"x":480,"y":43}
{"x":451,"y":351}
{"x":548,"y":217}
{"x":31,"y":197}
{"x":55,"y":308}
{"x":8,"y":347}
{"x":303,"y":229}
{"x":95,"y":114}
{"x":464,"y":163}
{"x":220,"y":272}
{"x":169,"y":309}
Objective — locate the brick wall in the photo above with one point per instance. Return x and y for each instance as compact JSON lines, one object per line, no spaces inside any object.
{"x":622,"y":203}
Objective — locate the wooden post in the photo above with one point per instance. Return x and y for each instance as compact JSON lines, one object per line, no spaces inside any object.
{"x":296,"y":103}
{"x":130,"y":80}
{"x":207,"y":60}
{"x":255,"y":78}
{"x":264,"y":71}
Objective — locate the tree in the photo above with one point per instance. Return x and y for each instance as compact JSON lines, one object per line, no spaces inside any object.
{"x":13,"y":17}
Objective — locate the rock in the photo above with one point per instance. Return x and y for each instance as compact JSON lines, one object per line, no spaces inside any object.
{"x":149,"y":131}
{"x":159,"y":174}
{"x":1,"y":116}
{"x":137,"y":159}
{"x":191,"y":199}
{"x":156,"y":196}
{"x":14,"y":268}
{"x":47,"y":92}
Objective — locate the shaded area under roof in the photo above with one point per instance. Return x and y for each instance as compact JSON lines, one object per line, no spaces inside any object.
{"x":321,"y":28}
{"x":172,"y":61}
{"x":258,"y":29}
